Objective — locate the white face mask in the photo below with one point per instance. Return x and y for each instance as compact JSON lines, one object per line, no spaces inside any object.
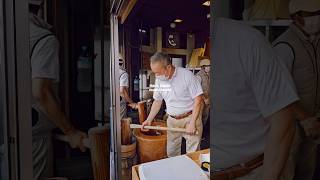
{"x":312,"y":24}
{"x":162,"y":77}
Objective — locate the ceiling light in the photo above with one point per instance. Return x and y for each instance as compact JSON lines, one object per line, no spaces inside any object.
{"x":178,"y":20}
{"x":207,"y":3}
{"x":142,"y":31}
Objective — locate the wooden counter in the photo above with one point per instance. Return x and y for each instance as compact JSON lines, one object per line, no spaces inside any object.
{"x":194,"y":156}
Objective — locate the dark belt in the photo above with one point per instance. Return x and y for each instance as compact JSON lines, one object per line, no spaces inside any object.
{"x":181,"y":116}
{"x":238,"y":170}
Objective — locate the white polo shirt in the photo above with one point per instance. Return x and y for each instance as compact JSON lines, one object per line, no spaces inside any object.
{"x":179,"y":92}
{"x":249,"y":85}
{"x":45,"y":57}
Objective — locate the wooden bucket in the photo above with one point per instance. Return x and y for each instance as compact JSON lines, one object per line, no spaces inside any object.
{"x":150,"y":146}
{"x":128,"y":159}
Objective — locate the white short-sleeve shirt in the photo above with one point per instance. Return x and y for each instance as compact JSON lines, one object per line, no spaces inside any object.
{"x":249,"y":85}
{"x":45,"y":56}
{"x":179,"y":92}
{"x":124,"y":78}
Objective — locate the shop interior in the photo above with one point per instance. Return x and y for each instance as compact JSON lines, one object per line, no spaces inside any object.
{"x":86,"y":34}
{"x":85,"y":89}
{"x":84,"y":29}
{"x":94,"y":33}
{"x":146,"y":27}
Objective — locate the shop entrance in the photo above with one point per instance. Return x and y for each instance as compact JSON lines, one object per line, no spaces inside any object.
{"x":178,"y":28}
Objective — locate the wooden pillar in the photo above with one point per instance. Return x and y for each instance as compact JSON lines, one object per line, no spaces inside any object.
{"x":152,"y":38}
{"x":158,"y":39}
{"x":190,"y":46}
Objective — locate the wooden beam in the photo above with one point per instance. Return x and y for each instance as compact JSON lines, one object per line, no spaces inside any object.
{"x":125,"y":9}
{"x":183,"y":52}
{"x":147,"y":49}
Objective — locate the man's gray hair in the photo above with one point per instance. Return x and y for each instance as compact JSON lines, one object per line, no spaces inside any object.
{"x":163,"y":58}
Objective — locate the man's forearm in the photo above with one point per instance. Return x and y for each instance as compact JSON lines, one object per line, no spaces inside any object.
{"x":126,"y":96}
{"x":197,"y":108}
{"x":156,"y":105}
{"x":282,"y":129}
{"x":50,"y":106}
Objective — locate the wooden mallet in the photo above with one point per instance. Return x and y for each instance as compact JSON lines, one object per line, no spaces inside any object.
{"x":182,"y":130}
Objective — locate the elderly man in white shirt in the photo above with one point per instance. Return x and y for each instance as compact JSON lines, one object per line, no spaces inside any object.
{"x":182,"y":93}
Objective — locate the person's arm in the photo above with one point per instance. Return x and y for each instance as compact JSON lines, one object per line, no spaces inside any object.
{"x":198,"y":103}
{"x":125,"y":94}
{"x":156,"y":105}
{"x":206,"y":97}
{"x":43,"y":93}
{"x":196,"y":92}
{"x":280,"y":137}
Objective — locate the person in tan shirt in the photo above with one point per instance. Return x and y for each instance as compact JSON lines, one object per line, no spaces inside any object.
{"x":204,"y":76}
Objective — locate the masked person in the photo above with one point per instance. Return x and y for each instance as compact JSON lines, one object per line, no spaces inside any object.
{"x":182,"y":93}
{"x":299,"y":50}
{"x":46,"y":109}
{"x":124,"y":89}
{"x":204,"y":76}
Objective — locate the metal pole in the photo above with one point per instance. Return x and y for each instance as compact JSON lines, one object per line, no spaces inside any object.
{"x":102,"y":31}
{"x":16,"y":23}
{"x":115,"y":159}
